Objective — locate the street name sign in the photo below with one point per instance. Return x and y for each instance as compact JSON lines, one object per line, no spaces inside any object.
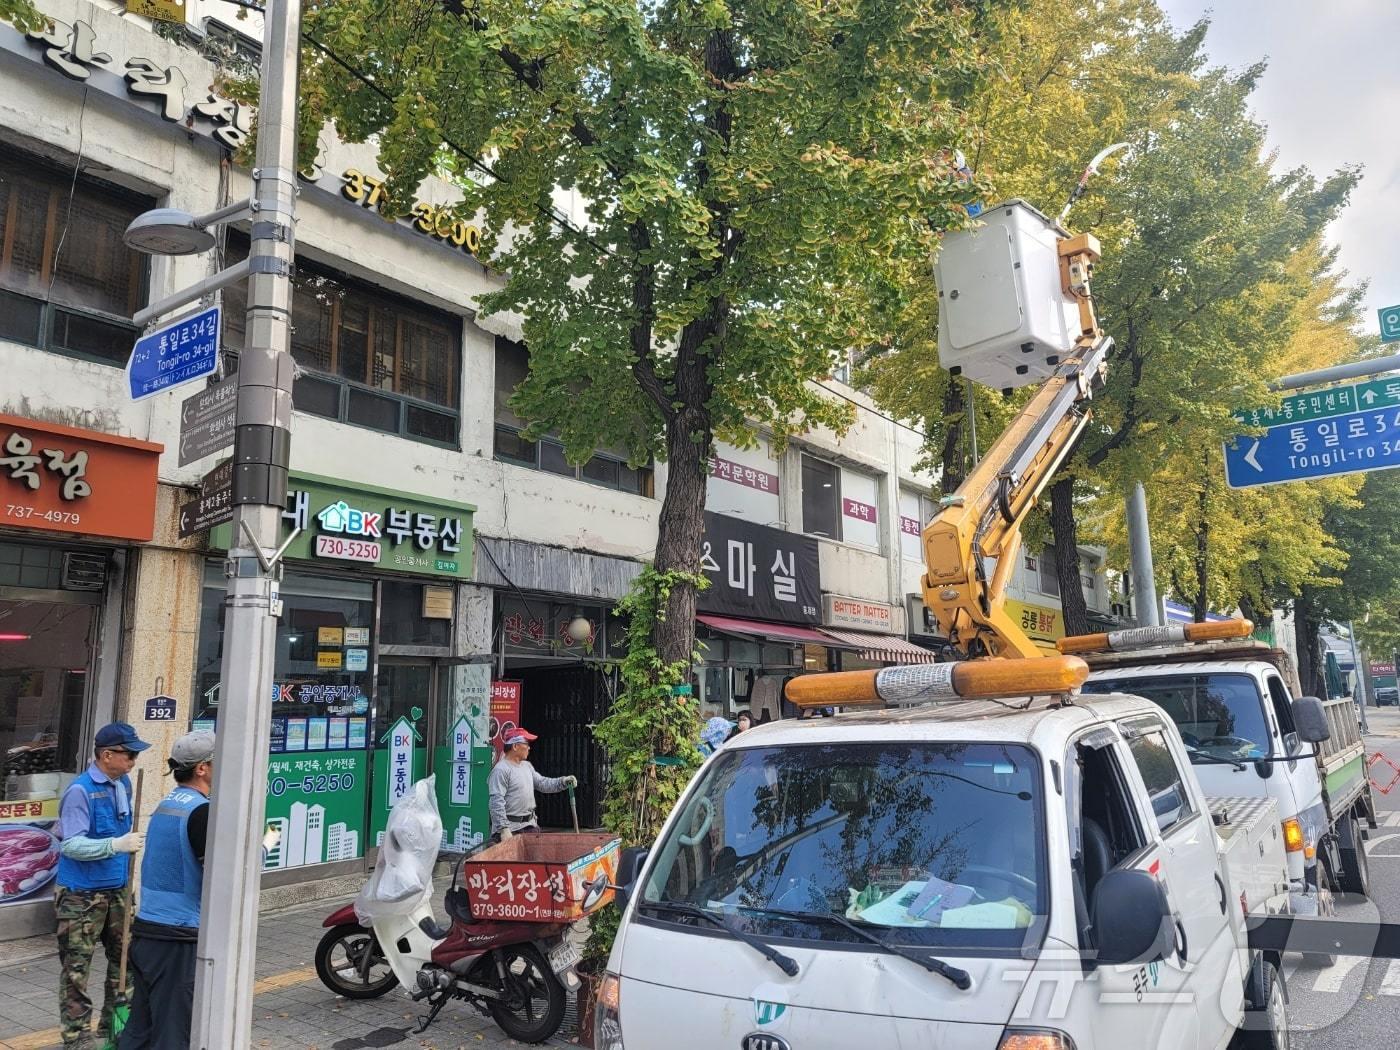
{"x":1390,"y":323}
{"x":180,"y":352}
{"x":207,"y":421}
{"x":214,"y":506}
{"x":1315,"y":444}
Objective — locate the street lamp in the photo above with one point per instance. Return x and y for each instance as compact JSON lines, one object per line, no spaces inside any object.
{"x":168,"y":231}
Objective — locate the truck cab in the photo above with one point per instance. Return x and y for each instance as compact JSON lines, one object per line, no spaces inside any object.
{"x":1237,"y":715}
{"x":1231,"y":715}
{"x":984,"y":874}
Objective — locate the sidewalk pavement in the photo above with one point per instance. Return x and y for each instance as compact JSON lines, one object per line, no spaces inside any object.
{"x":292,"y":1009}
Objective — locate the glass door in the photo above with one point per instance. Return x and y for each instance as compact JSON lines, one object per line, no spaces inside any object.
{"x":405,"y":699}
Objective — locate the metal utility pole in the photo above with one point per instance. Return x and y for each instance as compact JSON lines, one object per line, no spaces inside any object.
{"x":1360,"y":690}
{"x":1140,"y":556}
{"x":223,"y":997}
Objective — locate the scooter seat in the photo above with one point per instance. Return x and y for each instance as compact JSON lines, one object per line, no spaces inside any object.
{"x":457,"y":905}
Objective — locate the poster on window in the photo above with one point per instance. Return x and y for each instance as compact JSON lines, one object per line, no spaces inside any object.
{"x":759,"y":572}
{"x":28,"y":849}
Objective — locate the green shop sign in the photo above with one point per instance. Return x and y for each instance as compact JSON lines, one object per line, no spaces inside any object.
{"x":317,"y":804}
{"x":375,"y":527}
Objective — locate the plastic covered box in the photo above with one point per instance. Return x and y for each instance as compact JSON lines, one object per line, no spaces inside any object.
{"x":539,"y":878}
{"x":1003,"y":318}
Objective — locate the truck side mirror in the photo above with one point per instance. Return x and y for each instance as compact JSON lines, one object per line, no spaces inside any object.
{"x":629,"y":866}
{"x":1310,"y":719}
{"x":1132,"y":919}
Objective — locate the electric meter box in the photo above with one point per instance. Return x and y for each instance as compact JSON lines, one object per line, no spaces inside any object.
{"x":1002,"y":314}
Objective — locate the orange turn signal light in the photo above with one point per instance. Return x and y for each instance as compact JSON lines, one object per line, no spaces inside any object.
{"x":1292,"y":835}
{"x":1146,"y":637}
{"x":932,"y":683}
{"x":1030,"y":1039}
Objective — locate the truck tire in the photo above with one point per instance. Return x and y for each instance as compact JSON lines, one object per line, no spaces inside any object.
{"x":1355,"y":873}
{"x":1265,"y":1024}
{"x":1326,"y":885}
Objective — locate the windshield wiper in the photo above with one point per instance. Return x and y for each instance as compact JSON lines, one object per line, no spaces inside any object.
{"x":1202,"y":757}
{"x":960,"y":977}
{"x":783,"y":962}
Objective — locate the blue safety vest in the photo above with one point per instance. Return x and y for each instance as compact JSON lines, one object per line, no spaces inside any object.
{"x":104,"y":822}
{"x":172,"y":879}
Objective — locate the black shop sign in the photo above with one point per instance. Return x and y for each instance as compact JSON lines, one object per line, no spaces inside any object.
{"x":760,"y":572}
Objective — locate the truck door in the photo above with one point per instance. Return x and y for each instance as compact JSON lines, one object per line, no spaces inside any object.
{"x":1206,"y":952}
{"x":1148,"y":1004}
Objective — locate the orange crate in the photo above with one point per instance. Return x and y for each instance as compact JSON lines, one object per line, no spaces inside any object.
{"x":539,"y":878}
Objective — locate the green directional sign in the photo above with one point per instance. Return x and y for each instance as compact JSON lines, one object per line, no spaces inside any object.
{"x":1390,"y":323}
{"x":1324,"y":404}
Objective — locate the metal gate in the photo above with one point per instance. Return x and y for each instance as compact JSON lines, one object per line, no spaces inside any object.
{"x":562,"y":705}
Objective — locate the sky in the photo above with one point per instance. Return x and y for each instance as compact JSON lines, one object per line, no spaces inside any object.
{"x":1331,"y":96}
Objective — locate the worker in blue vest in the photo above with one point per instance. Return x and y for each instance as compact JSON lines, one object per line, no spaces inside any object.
{"x":94,"y":826}
{"x":166,"y":930}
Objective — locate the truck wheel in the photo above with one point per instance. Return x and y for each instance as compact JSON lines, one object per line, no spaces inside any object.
{"x":1355,"y":874}
{"x":1265,"y":1024}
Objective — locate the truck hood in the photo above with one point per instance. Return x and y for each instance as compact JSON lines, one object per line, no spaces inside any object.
{"x":682,"y":989}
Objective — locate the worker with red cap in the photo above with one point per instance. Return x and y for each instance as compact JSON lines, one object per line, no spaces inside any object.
{"x":512,"y":786}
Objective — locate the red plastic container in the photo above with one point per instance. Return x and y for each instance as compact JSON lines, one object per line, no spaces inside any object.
{"x":539,"y":878}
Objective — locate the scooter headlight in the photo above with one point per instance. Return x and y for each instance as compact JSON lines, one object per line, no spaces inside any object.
{"x":607,"y":1014}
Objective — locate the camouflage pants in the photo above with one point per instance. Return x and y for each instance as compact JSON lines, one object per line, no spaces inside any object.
{"x":85,"y":918}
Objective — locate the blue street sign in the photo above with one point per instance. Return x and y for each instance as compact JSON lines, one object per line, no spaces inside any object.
{"x":185,"y":350}
{"x":1390,"y":323}
{"x":1316,"y":448}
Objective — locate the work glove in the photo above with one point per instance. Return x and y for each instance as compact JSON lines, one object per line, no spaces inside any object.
{"x":129,"y":843}
{"x":507,"y":834}
{"x":571,"y":781}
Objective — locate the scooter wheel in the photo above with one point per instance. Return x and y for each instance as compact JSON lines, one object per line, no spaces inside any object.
{"x":533,"y":1007}
{"x":342,"y":965}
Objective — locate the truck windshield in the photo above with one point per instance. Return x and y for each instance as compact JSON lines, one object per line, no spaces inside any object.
{"x":937,"y":845}
{"x":1221,"y":715}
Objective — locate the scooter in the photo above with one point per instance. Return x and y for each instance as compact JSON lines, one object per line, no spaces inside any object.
{"x":515,"y":972}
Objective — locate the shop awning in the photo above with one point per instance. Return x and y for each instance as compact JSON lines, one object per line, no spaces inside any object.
{"x":778,"y":632}
{"x":887,"y":648}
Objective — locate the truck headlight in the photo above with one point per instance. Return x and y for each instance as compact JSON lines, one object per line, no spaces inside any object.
{"x":607,"y":1014}
{"x":1035,"y":1039}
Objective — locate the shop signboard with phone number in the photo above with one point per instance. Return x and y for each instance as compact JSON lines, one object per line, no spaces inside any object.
{"x":373,"y":527}
{"x":316,"y":803}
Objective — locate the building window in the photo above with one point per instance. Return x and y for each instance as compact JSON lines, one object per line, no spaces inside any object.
{"x":1031,"y":564}
{"x":379,"y":361}
{"x":67,"y":281}
{"x":821,"y":498}
{"x":606,"y":468}
{"x":1049,"y":573}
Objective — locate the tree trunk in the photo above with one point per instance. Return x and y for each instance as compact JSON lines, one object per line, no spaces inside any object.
{"x":1066,"y":533}
{"x":954,"y":420}
{"x":1311,"y":677}
{"x":680,"y":531}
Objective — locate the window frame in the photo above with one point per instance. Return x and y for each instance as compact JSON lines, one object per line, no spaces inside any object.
{"x":1286,"y":729}
{"x":835,"y":495}
{"x":646,"y":479}
{"x":1138,"y":727}
{"x":40,"y":173}
{"x":406,"y":308}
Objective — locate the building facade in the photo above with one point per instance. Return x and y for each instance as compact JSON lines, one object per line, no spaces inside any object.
{"x":444,"y":577}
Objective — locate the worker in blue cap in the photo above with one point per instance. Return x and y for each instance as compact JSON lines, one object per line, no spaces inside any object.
{"x":94,"y":824}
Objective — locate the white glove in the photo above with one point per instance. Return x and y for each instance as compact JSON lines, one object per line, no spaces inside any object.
{"x":571,"y":781}
{"x":506,"y":833}
{"x":129,"y":843}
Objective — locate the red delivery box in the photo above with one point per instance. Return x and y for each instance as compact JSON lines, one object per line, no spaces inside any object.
{"x":539,"y":878}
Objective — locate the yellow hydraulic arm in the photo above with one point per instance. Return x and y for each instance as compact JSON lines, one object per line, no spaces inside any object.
{"x":981,"y":521}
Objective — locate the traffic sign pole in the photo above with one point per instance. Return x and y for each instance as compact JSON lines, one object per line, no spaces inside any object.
{"x":227,"y":949}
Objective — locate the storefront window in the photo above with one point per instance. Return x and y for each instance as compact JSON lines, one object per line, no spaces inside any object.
{"x":322,"y":685}
{"x":402,"y":621}
{"x":46,"y":650}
